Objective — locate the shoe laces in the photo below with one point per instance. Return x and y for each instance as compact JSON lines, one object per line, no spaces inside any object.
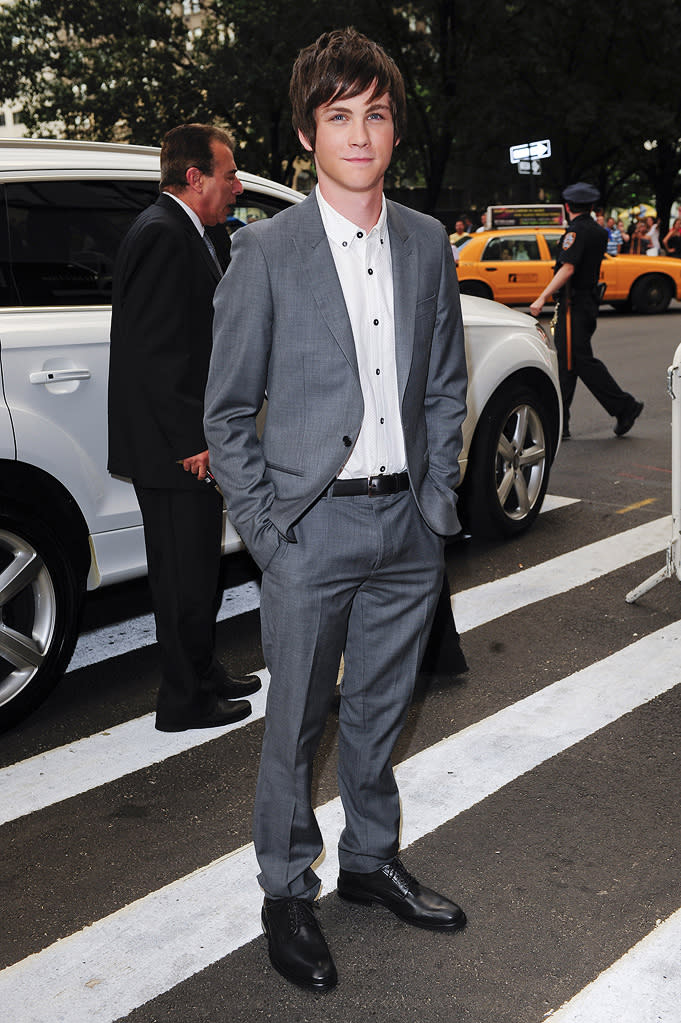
{"x":398,"y":873}
{"x":300,"y":913}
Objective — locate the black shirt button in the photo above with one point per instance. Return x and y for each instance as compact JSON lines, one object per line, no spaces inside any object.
{"x":375,"y":323}
{"x":378,"y":372}
{"x":360,"y":234}
{"x":370,"y":271}
{"x":347,"y":441}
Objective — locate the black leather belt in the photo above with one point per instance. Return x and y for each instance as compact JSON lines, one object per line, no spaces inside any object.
{"x":373,"y":486}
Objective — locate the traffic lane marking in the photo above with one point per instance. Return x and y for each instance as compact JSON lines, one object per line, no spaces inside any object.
{"x":134,"y":633}
{"x":481,"y":604}
{"x":110,"y":968}
{"x":69,"y":770}
{"x":104,"y":643}
{"x":644,"y":986}
{"x":636,"y":506}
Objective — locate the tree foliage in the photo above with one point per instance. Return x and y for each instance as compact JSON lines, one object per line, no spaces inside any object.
{"x":599,"y":80}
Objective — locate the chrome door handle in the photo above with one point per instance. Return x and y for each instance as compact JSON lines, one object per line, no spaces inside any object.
{"x":54,"y":376}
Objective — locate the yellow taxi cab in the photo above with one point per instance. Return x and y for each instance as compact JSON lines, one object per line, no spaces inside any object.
{"x":513,"y":265}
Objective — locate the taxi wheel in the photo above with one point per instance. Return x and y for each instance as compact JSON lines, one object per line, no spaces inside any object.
{"x":509,"y":464}
{"x":39,"y":612}
{"x":651,"y":294}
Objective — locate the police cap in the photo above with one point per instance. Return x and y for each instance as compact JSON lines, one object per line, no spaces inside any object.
{"x":581,"y":194}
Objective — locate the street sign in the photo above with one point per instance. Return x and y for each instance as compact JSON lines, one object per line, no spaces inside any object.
{"x":529,"y":167}
{"x":531,"y":151}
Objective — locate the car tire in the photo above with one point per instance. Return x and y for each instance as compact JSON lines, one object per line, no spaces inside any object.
{"x":39,"y":612}
{"x":651,"y":294}
{"x":476,"y":288}
{"x":509,"y":464}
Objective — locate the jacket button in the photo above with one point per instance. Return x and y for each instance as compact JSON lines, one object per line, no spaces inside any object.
{"x":347,"y":441}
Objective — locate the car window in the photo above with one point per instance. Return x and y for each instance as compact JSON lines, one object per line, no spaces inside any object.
{"x":63,"y":237}
{"x":508,"y":247}
{"x":253,"y":207}
{"x":552,"y":242}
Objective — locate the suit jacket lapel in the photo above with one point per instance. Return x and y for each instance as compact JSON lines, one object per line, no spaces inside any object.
{"x":193,"y":236}
{"x":319,"y":271}
{"x":404,"y":256}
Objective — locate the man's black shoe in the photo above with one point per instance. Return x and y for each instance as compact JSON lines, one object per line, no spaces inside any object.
{"x":624,"y":423}
{"x":394,"y":887}
{"x":224,"y":712}
{"x":235,"y":687}
{"x":298,"y":949}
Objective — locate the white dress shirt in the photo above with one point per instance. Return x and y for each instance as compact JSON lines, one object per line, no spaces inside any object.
{"x":364,"y":269}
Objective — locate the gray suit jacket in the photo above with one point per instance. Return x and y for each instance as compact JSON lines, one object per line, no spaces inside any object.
{"x":281,"y":330}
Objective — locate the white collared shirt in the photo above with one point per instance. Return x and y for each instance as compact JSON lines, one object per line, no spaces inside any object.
{"x":364,"y":269}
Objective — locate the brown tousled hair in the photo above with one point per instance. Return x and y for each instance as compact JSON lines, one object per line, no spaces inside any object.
{"x":343,"y":63}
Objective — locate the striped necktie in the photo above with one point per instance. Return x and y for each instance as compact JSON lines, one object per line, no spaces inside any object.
{"x":211,"y":249}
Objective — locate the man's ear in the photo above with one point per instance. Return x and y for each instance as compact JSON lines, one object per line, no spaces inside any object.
{"x":396,"y":142}
{"x":304,"y":142}
{"x":193,"y":178}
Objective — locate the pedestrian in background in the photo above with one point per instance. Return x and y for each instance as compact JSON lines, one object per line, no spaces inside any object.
{"x":640,"y":243}
{"x":614,"y":237}
{"x":672,"y":240}
{"x":161,"y":338}
{"x":580,"y":252}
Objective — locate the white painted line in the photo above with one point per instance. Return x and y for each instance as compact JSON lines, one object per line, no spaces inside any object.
{"x":101,"y":644}
{"x":104,"y":972}
{"x":133,"y":633}
{"x":552,"y":501}
{"x":644,"y":986}
{"x":69,"y":770}
{"x":101,"y":758}
{"x":484,"y":603}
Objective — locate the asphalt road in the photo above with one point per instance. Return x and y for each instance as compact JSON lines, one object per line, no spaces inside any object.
{"x":540,"y":789}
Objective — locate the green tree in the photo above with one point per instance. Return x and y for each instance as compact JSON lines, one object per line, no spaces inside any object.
{"x":97,"y":71}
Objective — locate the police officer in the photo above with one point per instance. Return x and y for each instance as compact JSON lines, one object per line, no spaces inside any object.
{"x":580,"y":252}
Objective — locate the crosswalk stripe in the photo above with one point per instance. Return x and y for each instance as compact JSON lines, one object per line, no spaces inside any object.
{"x":483,"y":603}
{"x":69,"y":770}
{"x":108,"y":969}
{"x":97,"y":645}
{"x":644,"y":986}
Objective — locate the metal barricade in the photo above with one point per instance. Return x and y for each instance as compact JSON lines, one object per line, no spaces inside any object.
{"x":673,"y":565}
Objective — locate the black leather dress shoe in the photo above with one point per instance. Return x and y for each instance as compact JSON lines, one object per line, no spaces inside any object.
{"x":224,"y":712}
{"x":298,"y":949}
{"x":624,"y":423}
{"x":394,"y":887}
{"x":235,"y":687}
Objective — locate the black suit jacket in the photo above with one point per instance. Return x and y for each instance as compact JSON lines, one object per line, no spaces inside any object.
{"x":161,"y":339}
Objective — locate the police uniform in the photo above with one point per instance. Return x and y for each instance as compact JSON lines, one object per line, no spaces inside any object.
{"x":583,"y":245}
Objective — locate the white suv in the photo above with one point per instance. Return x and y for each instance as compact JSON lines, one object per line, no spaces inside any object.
{"x":67,"y":526}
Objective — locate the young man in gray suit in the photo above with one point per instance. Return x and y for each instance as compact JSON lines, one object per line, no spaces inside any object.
{"x":344,"y":311}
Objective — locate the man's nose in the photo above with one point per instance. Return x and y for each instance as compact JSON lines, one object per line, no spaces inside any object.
{"x":237,"y":187}
{"x":359,"y":135}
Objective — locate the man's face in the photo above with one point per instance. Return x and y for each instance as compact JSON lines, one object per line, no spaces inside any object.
{"x":219,"y":191}
{"x":460,"y":227}
{"x":354,"y":143}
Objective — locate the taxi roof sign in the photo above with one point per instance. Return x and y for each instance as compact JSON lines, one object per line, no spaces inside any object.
{"x":531,"y":215}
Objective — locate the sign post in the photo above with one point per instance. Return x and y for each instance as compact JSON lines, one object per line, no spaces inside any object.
{"x":531,"y":151}
{"x":528,"y":157}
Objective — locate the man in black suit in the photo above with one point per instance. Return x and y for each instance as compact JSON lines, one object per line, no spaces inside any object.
{"x":161,"y":338}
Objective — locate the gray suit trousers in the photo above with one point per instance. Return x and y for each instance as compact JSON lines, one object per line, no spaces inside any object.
{"x":362,"y":579}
